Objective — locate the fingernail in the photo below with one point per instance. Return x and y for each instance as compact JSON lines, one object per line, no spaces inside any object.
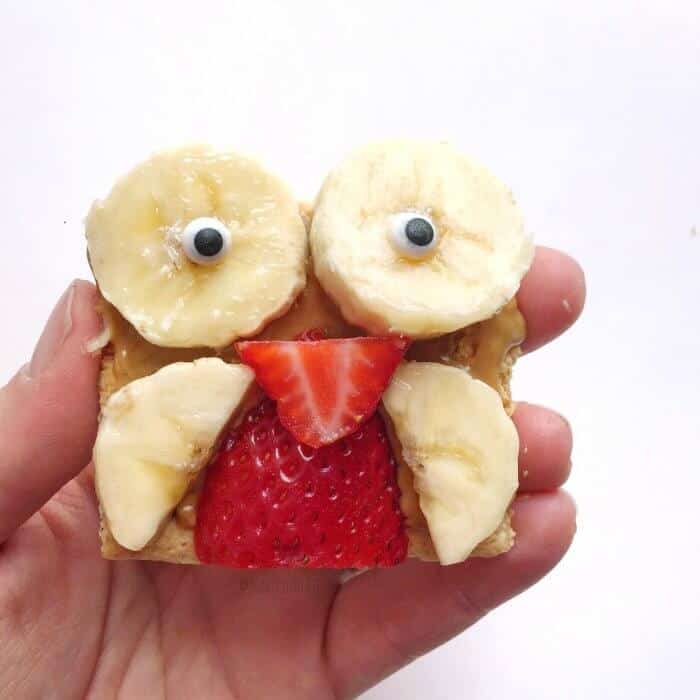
{"x":563,"y":419}
{"x":57,"y":330}
{"x":96,"y":344}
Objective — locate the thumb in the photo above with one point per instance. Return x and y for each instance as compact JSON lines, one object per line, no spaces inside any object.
{"x":48,"y":411}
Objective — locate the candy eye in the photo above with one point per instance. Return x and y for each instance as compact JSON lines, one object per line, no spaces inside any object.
{"x":205,"y":240}
{"x":413,"y":235}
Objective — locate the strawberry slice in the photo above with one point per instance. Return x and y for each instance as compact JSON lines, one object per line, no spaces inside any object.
{"x":324,"y":388}
{"x":269,"y":501}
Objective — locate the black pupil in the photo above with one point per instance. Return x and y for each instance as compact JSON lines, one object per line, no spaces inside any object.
{"x":419,"y":232}
{"x":208,"y":242}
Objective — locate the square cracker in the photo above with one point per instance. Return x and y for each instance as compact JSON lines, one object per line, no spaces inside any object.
{"x":488,"y":349}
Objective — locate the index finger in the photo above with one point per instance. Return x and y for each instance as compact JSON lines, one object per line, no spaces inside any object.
{"x":551,"y":296}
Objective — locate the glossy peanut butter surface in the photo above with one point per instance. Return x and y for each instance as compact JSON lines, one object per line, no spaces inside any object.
{"x":482,"y":348}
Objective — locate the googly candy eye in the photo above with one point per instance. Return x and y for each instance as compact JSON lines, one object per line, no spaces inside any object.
{"x":413,"y":235}
{"x":205,"y":240}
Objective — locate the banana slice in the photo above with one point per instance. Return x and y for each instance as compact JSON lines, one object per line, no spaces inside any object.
{"x":415,"y":238}
{"x":155,"y":434}
{"x":462,"y":449}
{"x":198,"y":248}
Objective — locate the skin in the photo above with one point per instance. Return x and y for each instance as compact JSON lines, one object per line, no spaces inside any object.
{"x":73,"y":625}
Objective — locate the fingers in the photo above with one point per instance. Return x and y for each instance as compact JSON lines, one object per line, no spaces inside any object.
{"x":48,"y":412}
{"x":545,"y":448}
{"x":384,"y":619}
{"x":551,"y":296}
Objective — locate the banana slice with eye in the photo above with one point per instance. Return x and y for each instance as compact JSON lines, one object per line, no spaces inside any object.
{"x":155,"y":434}
{"x":462,"y":448}
{"x":415,"y":238}
{"x":198,"y":248}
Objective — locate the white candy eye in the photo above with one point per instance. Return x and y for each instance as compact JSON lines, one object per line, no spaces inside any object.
{"x":413,"y":235}
{"x":205,"y":240}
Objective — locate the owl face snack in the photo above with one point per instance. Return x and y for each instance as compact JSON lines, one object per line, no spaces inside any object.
{"x":293,"y":388}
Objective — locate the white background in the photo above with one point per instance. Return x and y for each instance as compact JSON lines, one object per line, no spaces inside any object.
{"x":590,"y":111}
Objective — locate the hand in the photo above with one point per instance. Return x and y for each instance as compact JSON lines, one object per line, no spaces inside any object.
{"x":74,"y":625}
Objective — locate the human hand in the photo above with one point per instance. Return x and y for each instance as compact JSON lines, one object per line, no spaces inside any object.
{"x":75,"y":625}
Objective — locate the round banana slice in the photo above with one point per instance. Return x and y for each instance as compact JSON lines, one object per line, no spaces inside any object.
{"x":462,"y":448}
{"x":198,"y":248}
{"x":155,"y":434}
{"x":415,"y":238}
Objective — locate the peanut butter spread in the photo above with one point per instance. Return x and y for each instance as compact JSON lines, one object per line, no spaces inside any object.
{"x":186,"y":512}
{"x":487,"y":349}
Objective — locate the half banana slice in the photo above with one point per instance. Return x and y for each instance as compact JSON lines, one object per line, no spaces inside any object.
{"x":198,"y":248}
{"x":462,"y":448}
{"x":415,"y":238}
{"x":155,"y":435}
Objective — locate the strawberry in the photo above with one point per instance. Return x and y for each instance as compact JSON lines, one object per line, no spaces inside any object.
{"x":270,"y":501}
{"x":324,"y":388}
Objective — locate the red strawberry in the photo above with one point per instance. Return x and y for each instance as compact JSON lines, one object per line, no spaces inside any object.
{"x":269,"y":501}
{"x":324,"y":388}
